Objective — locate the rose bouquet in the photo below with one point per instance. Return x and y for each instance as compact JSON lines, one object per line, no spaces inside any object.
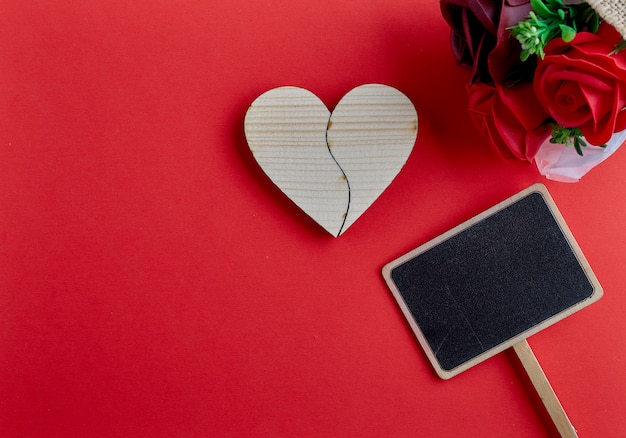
{"x":547,"y":78}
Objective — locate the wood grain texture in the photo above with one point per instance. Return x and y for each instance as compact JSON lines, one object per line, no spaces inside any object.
{"x":544,"y":389}
{"x":332,"y":166}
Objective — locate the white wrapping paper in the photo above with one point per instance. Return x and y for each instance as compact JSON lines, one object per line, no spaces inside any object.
{"x":561,"y":163}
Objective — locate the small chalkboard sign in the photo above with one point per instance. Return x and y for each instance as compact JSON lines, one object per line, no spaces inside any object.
{"x":491,"y":282}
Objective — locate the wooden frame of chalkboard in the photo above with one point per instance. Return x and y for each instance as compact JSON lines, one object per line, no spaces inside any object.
{"x":492,"y":281}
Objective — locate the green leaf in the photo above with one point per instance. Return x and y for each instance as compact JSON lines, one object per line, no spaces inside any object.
{"x":594,"y":24}
{"x":541,"y":9}
{"x":618,"y":48}
{"x":577,"y":146}
{"x":570,"y":137}
{"x":567,"y":33}
{"x":524,"y":55}
{"x":556,"y":3}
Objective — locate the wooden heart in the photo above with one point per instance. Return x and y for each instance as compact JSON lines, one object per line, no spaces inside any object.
{"x":332,"y":166}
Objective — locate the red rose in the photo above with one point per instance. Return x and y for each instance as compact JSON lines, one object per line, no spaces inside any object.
{"x":582,"y":86}
{"x":504,"y":61}
{"x":480,"y":37}
{"x":474,"y":26}
{"x":511,"y":118}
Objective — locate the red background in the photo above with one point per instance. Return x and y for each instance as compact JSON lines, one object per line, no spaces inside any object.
{"x":153,"y":282}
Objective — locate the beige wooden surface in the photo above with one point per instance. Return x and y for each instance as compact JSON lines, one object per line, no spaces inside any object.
{"x":544,"y":389}
{"x":332,"y":166}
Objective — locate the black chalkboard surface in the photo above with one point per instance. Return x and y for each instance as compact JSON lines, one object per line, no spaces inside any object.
{"x":492,"y":281}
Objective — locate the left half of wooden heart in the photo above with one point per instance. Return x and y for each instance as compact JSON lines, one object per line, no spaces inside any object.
{"x":286,"y":131}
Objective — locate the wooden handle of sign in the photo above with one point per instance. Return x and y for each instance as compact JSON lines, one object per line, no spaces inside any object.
{"x":544,"y":389}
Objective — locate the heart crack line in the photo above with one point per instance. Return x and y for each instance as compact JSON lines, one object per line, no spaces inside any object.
{"x":345,"y":177}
